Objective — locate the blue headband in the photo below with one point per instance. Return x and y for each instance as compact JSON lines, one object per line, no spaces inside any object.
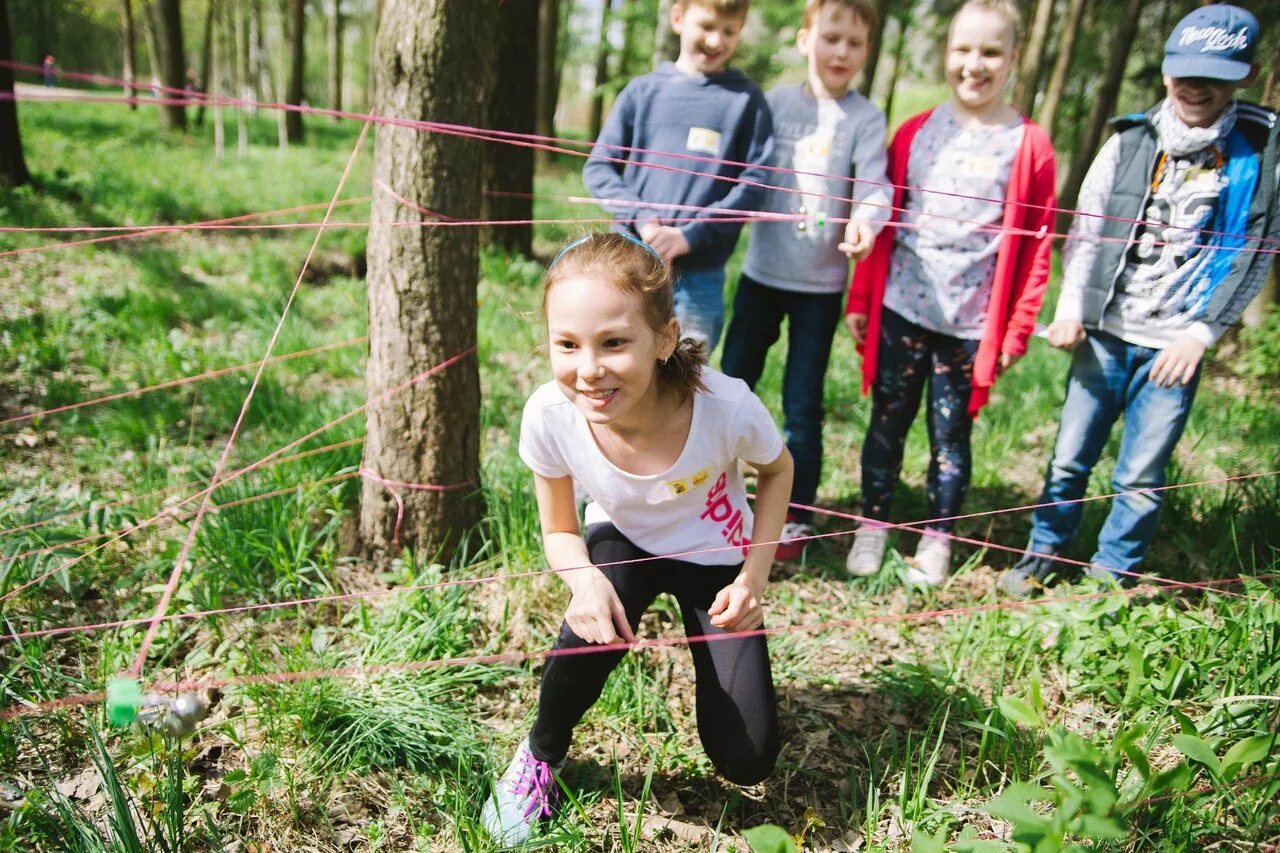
{"x":576,"y":243}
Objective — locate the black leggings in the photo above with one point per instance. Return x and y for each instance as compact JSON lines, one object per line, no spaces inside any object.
{"x":912,"y":357}
{"x":737,"y":708}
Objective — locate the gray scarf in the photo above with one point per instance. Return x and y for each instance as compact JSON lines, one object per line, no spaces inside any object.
{"x":1179,"y":140}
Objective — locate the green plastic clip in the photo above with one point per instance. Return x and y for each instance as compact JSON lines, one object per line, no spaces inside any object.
{"x":124,"y":698}
{"x":820,"y":219}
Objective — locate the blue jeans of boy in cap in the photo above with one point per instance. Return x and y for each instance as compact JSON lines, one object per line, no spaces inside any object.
{"x":1108,"y":378}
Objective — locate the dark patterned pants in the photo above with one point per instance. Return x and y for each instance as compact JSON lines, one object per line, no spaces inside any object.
{"x":911,"y":358}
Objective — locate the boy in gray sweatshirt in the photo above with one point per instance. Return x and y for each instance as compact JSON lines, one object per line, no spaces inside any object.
{"x":825,"y":133}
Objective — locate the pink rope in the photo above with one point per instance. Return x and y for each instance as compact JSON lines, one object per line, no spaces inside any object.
{"x":1010,"y":549}
{"x":394,"y":486}
{"x":905,"y":525}
{"x":172,"y":586}
{"x":151,"y":230}
{"x":723,"y":214}
{"x":206,"y":494}
{"x":134,"y":229}
{"x":72,"y":513}
{"x":307,"y":226}
{"x":58,"y":631}
{"x":367,"y":671}
{"x":187,"y":516}
{"x":337,"y":598}
{"x":186,"y":380}
{"x":414,"y":380}
{"x":540,"y":142}
{"x":380,"y":184}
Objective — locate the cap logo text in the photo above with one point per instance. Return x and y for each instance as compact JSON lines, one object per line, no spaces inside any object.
{"x":1214,"y":38}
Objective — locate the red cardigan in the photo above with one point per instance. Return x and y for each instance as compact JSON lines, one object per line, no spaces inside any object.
{"x":1022,"y":262}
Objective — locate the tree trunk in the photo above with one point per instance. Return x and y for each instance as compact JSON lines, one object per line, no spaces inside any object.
{"x":899,"y":60}
{"x":174,"y":115}
{"x":275,"y":67}
{"x":602,"y":72}
{"x":436,"y":63}
{"x":335,"y":58}
{"x":206,"y":57}
{"x":548,"y":78}
{"x":630,"y":24}
{"x":373,"y":46}
{"x":1168,"y":17}
{"x":214,"y":86}
{"x":13,"y":166}
{"x":264,"y":70}
{"x":42,"y":27}
{"x":666,"y":44}
{"x":297,"y":67}
{"x":1062,"y":65}
{"x":873,"y":49}
{"x":509,"y":168}
{"x":151,"y":38}
{"x":244,"y":89}
{"x":1104,"y":103}
{"x":127,"y":40}
{"x":1030,"y":69}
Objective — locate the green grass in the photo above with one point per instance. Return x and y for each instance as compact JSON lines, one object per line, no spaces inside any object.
{"x":1115,"y":724}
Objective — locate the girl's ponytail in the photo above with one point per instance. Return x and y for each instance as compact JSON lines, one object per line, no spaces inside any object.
{"x":683,"y":369}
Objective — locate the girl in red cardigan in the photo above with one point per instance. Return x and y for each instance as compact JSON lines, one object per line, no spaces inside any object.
{"x":949,"y":295}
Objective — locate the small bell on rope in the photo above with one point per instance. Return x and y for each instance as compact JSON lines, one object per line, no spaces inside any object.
{"x":177,"y":715}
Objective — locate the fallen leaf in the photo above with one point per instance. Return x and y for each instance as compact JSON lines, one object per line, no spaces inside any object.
{"x":81,"y":786}
{"x":671,"y":804}
{"x":688,"y":833}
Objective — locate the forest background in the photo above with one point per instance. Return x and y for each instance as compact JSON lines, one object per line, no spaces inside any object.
{"x":913,"y":721}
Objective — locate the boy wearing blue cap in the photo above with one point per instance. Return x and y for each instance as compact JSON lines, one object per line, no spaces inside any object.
{"x":1160,"y":261}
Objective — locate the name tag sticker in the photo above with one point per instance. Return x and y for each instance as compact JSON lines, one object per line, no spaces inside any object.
{"x":704,"y":140}
{"x":688,"y":484}
{"x":981,"y":167}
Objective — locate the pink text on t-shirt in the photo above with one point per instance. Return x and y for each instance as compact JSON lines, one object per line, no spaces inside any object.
{"x":722,"y":511}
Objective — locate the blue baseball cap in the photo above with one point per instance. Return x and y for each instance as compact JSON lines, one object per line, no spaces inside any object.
{"x":1217,"y":42}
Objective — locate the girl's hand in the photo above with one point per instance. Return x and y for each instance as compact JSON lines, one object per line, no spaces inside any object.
{"x":595,"y":614}
{"x":857,"y":326}
{"x":1177,"y":362}
{"x":858,"y":240}
{"x":1007,"y":360}
{"x":737,"y":608}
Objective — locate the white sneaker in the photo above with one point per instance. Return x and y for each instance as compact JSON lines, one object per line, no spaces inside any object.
{"x":932,"y":561}
{"x":526,"y":793}
{"x":867,"y":552}
{"x":795,"y":536}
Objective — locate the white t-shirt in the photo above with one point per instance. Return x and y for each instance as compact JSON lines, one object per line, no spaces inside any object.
{"x":698,"y":503}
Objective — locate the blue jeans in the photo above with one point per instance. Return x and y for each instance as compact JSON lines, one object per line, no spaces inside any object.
{"x":699,"y":297}
{"x":1108,"y":378}
{"x":812,"y":318}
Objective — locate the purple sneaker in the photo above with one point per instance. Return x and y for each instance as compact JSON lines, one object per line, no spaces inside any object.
{"x":525,"y":794}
